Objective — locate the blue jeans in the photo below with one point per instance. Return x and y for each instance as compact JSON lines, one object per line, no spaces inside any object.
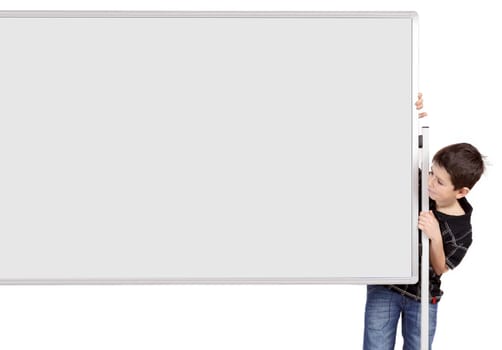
{"x":384,"y":307}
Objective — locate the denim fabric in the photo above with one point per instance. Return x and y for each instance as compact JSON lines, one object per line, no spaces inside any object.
{"x":384,"y":307}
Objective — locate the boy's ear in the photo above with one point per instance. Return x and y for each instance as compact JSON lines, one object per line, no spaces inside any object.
{"x":462,"y":192}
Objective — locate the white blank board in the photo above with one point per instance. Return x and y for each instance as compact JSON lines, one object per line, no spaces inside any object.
{"x":207,"y":148}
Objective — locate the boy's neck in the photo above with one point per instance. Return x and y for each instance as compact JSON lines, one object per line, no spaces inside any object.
{"x":450,"y":208}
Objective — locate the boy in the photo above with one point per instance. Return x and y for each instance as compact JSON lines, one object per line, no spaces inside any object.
{"x":454,"y":171}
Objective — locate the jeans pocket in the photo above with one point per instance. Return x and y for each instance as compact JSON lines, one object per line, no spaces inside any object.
{"x":378,"y":308}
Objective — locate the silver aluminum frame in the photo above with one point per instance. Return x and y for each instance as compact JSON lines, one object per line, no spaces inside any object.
{"x":424,"y":292}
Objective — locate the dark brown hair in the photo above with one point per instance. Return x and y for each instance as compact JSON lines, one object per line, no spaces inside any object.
{"x":463,"y":162}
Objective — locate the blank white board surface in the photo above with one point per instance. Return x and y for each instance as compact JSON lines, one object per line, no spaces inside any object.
{"x":228,"y":147}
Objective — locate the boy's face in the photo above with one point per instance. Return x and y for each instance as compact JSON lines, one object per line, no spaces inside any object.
{"x":441,"y":188}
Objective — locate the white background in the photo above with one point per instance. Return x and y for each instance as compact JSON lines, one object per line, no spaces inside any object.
{"x":460,"y":73}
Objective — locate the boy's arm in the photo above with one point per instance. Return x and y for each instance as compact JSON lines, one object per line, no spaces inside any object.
{"x":428,"y":223}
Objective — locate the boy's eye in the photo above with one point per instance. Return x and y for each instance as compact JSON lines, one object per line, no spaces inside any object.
{"x":431,"y":173}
